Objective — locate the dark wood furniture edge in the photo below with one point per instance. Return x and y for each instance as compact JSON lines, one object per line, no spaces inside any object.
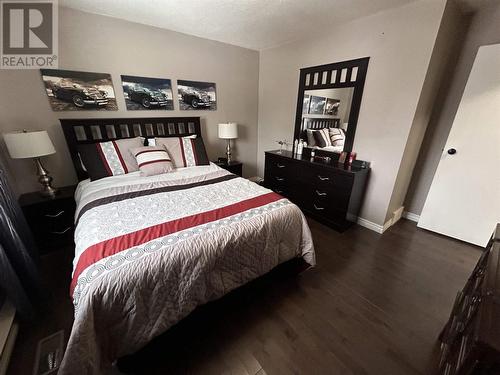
{"x":31,"y":198}
{"x":328,"y":165}
{"x":482,"y":327}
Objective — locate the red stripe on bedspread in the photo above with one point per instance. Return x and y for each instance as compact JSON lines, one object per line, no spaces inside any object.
{"x":114,"y":245}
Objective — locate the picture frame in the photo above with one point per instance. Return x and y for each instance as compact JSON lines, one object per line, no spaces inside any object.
{"x":197,"y":95}
{"x":317,"y":105}
{"x":145,"y":93}
{"x":69,"y":90}
{"x":332,"y":107}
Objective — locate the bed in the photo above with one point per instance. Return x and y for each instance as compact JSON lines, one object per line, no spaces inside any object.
{"x":149,"y":250}
{"x":310,"y":125}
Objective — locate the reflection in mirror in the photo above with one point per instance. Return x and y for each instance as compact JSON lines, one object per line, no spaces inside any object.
{"x":325,"y":113}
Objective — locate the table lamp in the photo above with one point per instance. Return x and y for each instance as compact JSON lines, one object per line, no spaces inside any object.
{"x":228,"y":131}
{"x":32,"y":144}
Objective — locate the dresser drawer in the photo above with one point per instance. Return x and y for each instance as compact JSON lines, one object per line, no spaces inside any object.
{"x":321,"y":205}
{"x":328,"y":197}
{"x":276,"y":165}
{"x":51,"y":220}
{"x":279,"y":176}
{"x":284,"y":190}
{"x":48,"y":216}
{"x":326,"y":179}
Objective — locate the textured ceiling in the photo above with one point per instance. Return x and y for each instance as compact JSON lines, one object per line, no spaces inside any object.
{"x":254,"y":24}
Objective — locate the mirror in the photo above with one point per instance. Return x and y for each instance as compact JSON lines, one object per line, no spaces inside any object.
{"x":328,"y":105}
{"x":326,"y":108}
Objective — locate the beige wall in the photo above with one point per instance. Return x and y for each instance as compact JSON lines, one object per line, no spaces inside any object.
{"x":399,"y":43}
{"x":484,"y":29}
{"x":448,"y":44}
{"x":95,"y":43}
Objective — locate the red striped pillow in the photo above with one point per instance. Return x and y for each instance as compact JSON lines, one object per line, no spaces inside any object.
{"x":153,"y":160}
{"x":111,"y":158}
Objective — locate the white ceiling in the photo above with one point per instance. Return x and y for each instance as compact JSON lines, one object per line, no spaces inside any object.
{"x":254,"y":24}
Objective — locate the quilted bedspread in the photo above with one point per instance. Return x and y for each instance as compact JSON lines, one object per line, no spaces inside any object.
{"x":149,"y":250}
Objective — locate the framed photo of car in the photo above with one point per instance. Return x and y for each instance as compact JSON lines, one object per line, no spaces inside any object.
{"x":70,"y":90}
{"x":332,"y":107}
{"x":142,"y":93}
{"x":195,"y":95}
{"x":317,"y":105}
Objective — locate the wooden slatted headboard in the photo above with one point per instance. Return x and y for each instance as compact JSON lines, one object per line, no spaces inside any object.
{"x":82,"y":131}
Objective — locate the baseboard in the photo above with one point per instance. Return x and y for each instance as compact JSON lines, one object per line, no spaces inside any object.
{"x":371,"y":225}
{"x":411,"y":216}
{"x":374,"y":226}
{"x":389,"y":223}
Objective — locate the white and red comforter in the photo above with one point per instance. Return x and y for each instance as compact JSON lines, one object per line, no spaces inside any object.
{"x":149,"y":250}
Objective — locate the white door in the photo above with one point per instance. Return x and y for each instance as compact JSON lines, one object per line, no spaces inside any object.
{"x":464,"y":198}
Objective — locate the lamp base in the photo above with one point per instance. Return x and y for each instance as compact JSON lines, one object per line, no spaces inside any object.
{"x":45,"y":180}
{"x":228,"y":151}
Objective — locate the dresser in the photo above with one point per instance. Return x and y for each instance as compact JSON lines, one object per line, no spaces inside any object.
{"x":470,"y":340}
{"x":327,"y":192}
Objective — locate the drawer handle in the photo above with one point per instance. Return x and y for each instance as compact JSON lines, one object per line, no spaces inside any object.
{"x":280,"y":165}
{"x":321,"y":194}
{"x":61,"y":232}
{"x":323,"y":178}
{"x":318,"y":208}
{"x":280,"y":179}
{"x":55,"y":215}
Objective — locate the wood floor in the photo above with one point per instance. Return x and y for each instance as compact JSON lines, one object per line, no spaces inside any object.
{"x":373,"y":305}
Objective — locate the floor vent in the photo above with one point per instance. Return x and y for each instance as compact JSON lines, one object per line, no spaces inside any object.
{"x":49,"y":354}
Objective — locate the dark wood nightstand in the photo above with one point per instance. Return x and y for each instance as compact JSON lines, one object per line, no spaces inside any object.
{"x":51,"y":219}
{"x":235,"y":167}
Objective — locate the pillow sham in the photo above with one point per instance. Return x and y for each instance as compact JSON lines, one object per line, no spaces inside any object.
{"x":322,"y":137}
{"x":153,"y":160}
{"x":185,"y":151}
{"x":311,"y":142}
{"x":111,"y":158}
{"x":337,"y":136}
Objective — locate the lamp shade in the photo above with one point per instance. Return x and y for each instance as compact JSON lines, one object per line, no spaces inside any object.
{"x":228,"y":131}
{"x":24,"y":144}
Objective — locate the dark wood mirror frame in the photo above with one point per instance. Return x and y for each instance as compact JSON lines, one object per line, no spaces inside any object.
{"x":329,"y":77}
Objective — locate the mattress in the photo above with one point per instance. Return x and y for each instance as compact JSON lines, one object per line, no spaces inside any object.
{"x":149,"y":250}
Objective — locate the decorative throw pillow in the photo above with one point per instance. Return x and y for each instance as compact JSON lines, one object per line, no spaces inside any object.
{"x":322,"y":137}
{"x":337,"y":137}
{"x":109,"y":158}
{"x":153,"y":160}
{"x":185,"y":151}
{"x":311,"y":142}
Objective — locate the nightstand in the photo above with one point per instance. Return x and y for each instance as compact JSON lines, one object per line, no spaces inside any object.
{"x":51,"y":219}
{"x":235,"y":167}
